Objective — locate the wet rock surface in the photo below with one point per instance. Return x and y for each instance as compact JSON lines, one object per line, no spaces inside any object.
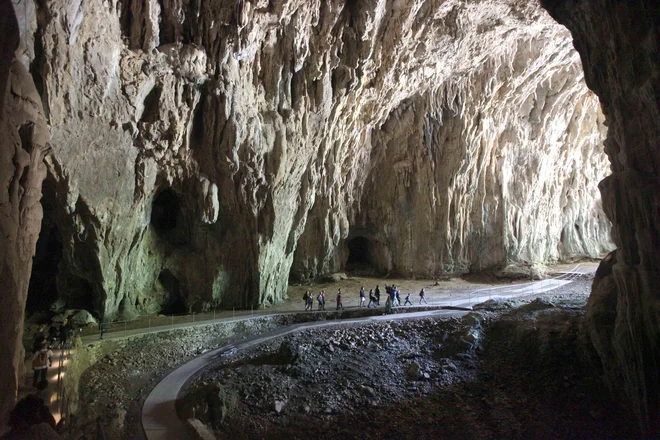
{"x":491,"y":374}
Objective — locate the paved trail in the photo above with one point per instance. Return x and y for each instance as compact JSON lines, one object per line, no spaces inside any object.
{"x":159,"y":417}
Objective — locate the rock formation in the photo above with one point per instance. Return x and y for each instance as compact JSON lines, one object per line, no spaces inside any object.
{"x":618,"y":42}
{"x":23,"y":145}
{"x":208,"y":150}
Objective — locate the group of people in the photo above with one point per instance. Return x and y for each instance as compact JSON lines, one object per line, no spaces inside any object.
{"x":393,"y":298}
{"x":42,"y":353}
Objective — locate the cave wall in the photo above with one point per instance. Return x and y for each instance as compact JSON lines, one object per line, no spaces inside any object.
{"x":619,"y":42}
{"x":496,"y":166}
{"x":264,"y":119}
{"x":23,"y":146}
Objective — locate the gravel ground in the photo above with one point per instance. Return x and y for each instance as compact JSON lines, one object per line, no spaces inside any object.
{"x":414,"y":378}
{"x":514,"y":369}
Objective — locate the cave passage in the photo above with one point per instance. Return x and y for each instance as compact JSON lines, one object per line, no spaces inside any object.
{"x":42,"y":290}
{"x":359,"y":254}
{"x":164,"y":211}
{"x":175,"y":304}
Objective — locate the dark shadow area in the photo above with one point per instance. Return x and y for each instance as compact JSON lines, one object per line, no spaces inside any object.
{"x":79,"y":293}
{"x":359,"y":254}
{"x":175,"y":304}
{"x":165,"y":211}
{"x":42,"y":291}
{"x":151,"y":112}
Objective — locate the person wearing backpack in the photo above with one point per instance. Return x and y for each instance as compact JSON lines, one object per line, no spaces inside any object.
{"x":305,"y":299}
{"x":40,"y":364}
{"x":422,"y":297}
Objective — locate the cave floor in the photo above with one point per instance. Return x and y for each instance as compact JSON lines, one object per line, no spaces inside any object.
{"x":517,"y":371}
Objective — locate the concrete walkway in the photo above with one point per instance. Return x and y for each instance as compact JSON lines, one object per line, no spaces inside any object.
{"x":160,"y":420}
{"x":159,"y":417}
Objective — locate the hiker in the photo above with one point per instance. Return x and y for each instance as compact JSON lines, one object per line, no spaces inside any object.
{"x":321,"y":300}
{"x":362,"y":299}
{"x":39,"y":337}
{"x":372,"y":299}
{"x":31,"y":419}
{"x":52,"y":334}
{"x":339,"y":303}
{"x":408,"y":300}
{"x":398,"y":297}
{"x":103,"y":328}
{"x":377,"y":295}
{"x":63,"y":333}
{"x":40,"y":363}
{"x":421,"y":297}
{"x":305,"y":298}
{"x":310,"y":302}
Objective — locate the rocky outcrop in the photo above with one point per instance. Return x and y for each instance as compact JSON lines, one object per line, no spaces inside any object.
{"x":208,"y":150}
{"x":23,"y":145}
{"x":618,"y":42}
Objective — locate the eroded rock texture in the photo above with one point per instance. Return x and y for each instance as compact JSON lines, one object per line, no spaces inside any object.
{"x":206,"y":150}
{"x":23,"y":145}
{"x":618,"y":42}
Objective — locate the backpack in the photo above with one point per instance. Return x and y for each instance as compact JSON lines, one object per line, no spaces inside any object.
{"x":41,"y":360}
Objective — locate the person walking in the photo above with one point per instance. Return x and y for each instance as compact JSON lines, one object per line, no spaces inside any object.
{"x":340,"y":305}
{"x":63,"y":333}
{"x":422,"y":297}
{"x":408,"y":300}
{"x":52,"y":334}
{"x":372,"y":299}
{"x":40,"y":362}
{"x":377,"y":295}
{"x":362,"y":299}
{"x":306,"y":298}
{"x":319,"y":298}
{"x":103,"y":328}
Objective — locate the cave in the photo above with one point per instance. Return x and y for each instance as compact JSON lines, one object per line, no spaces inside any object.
{"x":359,"y":255}
{"x":42,"y":291}
{"x":464,"y":136}
{"x":174,"y":304}
{"x":165,"y":211}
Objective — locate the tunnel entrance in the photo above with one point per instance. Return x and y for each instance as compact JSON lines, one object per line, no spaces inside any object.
{"x":164,"y":211}
{"x":42,"y":290}
{"x":359,"y":255}
{"x":174,"y":303}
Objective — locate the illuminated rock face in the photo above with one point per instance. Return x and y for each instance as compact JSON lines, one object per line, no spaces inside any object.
{"x":23,"y":146}
{"x":618,"y":43}
{"x":207,"y":150}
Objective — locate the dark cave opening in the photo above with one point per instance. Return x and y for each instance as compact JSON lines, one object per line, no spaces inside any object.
{"x":42,"y":290}
{"x":165,"y":210}
{"x":174,"y":303}
{"x":359,"y":254}
{"x":79,"y":293}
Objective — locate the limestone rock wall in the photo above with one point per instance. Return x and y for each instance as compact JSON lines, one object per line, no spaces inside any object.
{"x":204,"y":149}
{"x":499,"y":165}
{"x":618,"y":42}
{"x":23,"y":146}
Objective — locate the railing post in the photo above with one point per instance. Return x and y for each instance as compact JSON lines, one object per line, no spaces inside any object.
{"x":150,"y":323}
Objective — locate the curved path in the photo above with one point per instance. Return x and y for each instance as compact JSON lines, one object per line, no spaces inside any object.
{"x":159,"y":416}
